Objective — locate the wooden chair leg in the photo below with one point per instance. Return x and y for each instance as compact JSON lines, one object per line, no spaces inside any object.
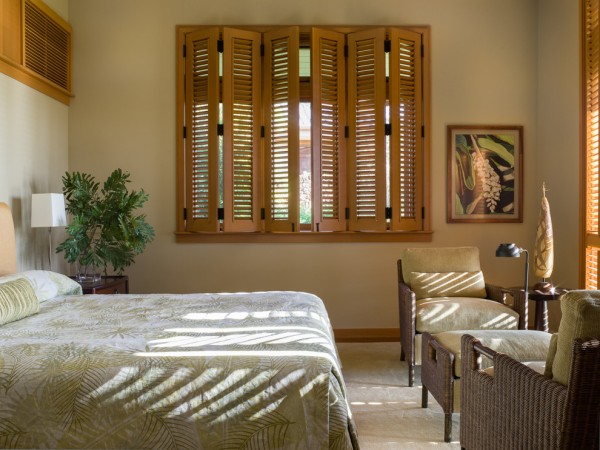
{"x":411,"y":375}
{"x":424,"y":397}
{"x":447,"y":427}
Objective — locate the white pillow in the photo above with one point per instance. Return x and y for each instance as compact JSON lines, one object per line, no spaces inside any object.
{"x":448,"y":284}
{"x":47,"y":284}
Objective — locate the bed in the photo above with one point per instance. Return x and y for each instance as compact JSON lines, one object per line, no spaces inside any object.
{"x":183,"y":371}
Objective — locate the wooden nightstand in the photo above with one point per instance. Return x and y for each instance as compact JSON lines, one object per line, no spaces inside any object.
{"x":116,"y":284}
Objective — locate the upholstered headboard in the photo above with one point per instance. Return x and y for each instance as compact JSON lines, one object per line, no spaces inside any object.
{"x":8,"y":247}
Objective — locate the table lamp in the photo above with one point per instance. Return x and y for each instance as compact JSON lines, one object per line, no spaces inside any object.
{"x":513,"y":251}
{"x":48,"y":210}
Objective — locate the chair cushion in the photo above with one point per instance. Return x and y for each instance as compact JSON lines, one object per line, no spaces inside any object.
{"x":448,"y":284}
{"x":522,"y":345}
{"x":441,"y":259}
{"x":580,"y":319}
{"x":435,"y":315}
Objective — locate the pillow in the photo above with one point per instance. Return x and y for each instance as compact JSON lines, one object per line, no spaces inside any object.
{"x":17,"y":300}
{"x":448,"y":284}
{"x":580,"y":319}
{"x":47,"y":284}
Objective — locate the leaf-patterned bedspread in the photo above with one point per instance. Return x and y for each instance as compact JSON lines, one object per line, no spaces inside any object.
{"x":189,"y":371}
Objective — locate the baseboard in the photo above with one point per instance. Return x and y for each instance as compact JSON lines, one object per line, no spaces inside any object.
{"x":367,"y":334}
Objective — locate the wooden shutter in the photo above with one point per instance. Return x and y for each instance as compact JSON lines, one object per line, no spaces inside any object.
{"x":328,"y":121}
{"x":47,"y":44}
{"x":282,"y":135}
{"x":241,"y":123}
{"x":366,"y":120}
{"x":201,"y":121}
{"x":406,"y":142}
{"x":591,"y":71}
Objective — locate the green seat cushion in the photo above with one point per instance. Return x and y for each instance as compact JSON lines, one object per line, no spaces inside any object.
{"x":435,"y":315}
{"x":17,"y":300}
{"x":580,"y":319}
{"x":522,"y":345}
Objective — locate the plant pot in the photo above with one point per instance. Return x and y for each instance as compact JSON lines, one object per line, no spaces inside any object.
{"x":88,"y":274}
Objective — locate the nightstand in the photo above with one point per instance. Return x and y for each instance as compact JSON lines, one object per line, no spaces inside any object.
{"x":116,"y":284}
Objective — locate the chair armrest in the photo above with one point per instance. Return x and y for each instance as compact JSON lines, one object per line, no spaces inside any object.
{"x":520,"y":304}
{"x":407,"y":305}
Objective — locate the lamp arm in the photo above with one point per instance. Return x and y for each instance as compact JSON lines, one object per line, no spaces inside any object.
{"x":526,"y":272}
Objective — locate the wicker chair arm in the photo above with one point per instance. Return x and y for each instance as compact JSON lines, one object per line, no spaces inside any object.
{"x":519,"y":304}
{"x":407,"y":304}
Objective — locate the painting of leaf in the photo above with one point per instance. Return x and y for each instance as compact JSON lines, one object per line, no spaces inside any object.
{"x":497,"y":148}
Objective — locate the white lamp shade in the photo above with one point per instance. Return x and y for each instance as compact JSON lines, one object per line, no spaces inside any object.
{"x":48,"y":210}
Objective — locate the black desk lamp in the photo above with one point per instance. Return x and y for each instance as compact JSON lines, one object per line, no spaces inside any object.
{"x":512,"y":251}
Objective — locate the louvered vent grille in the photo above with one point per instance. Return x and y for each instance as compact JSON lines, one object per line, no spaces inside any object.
{"x":408,"y":129}
{"x":330,"y":123}
{"x":200,"y":130}
{"x":366,"y":157}
{"x":47,"y":47}
{"x":280,"y":163}
{"x":592,"y":68}
{"x":591,"y":268}
{"x":243,"y":127}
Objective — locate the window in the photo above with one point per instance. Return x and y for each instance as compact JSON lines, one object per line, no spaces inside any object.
{"x":303,"y":131}
{"x":590,"y":155}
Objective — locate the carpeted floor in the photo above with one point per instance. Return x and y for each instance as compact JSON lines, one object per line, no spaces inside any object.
{"x":387,"y":412}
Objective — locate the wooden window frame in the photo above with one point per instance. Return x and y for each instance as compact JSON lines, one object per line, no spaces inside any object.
{"x":424,"y":234}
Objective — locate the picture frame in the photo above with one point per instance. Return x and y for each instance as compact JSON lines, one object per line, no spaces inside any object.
{"x":485,"y":174}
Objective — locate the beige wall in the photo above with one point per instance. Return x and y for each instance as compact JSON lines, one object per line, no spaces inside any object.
{"x":484,"y":71}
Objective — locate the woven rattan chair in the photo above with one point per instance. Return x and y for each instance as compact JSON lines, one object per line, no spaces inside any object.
{"x":429,"y":302}
{"x":515,"y":407}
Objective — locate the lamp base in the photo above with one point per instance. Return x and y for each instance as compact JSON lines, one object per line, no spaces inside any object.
{"x":545,"y":287}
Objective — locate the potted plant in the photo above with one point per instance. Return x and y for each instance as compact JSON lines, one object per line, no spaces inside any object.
{"x":105,"y":229}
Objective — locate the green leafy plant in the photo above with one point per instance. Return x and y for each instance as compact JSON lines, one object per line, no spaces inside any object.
{"x":104,"y":229}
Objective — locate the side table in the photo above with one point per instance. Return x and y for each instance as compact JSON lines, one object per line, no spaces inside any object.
{"x":541,"y":300}
{"x":115,"y":284}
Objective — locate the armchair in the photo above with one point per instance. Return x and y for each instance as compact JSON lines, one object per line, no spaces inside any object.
{"x":515,"y":407}
{"x":443,"y":289}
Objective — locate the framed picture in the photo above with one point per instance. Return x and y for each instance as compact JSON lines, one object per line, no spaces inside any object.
{"x":485,"y":173}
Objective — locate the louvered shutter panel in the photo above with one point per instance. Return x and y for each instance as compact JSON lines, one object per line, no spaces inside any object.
{"x":47,"y":46}
{"x":282,"y":135}
{"x":406,"y":118}
{"x":202,"y":119}
{"x":328,"y":121}
{"x":366,"y":120}
{"x":591,"y":55}
{"x":241,"y":123}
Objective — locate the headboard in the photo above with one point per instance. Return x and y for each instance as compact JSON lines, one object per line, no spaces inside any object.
{"x":8,"y":246}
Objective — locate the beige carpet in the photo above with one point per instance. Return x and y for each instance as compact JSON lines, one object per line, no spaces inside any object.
{"x":387,"y":412}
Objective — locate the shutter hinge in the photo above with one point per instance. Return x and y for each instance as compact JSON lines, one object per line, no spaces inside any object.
{"x":388,"y":212}
{"x":318,"y":228}
{"x":220,"y":129}
{"x":346,"y":131}
{"x":184,"y":50}
{"x":262,"y":214}
{"x":388,"y":129}
{"x":262,"y":49}
{"x":422,"y":51}
{"x":346,"y":50}
{"x":184,"y":213}
{"x":423,"y":212}
{"x":422,"y":131}
{"x":220,"y":213}
{"x":184,"y":132}
{"x":387,"y":46}
{"x":347,"y":211}
{"x":220,"y":45}
{"x":262,"y":131}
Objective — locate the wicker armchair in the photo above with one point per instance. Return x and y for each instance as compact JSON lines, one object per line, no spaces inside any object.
{"x":515,"y":407}
{"x":425,"y":307}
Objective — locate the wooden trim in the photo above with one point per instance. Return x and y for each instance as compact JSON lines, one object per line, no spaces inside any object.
{"x":582,"y":147}
{"x":307,"y":237}
{"x":367,"y":334}
{"x":179,"y":124}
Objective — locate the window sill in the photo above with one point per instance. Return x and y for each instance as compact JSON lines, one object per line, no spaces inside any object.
{"x":306,"y":237}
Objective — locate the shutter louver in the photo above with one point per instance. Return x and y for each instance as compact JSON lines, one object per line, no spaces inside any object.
{"x":47,"y":46}
{"x":406,"y":118}
{"x":366,"y":118}
{"x":591,"y":63}
{"x":328,"y":121}
{"x":282,"y":103}
{"x":241,"y":148}
{"x":202,"y":113}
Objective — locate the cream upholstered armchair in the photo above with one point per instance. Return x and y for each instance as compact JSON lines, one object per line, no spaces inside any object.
{"x":443,"y":289}
{"x":515,"y":407}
